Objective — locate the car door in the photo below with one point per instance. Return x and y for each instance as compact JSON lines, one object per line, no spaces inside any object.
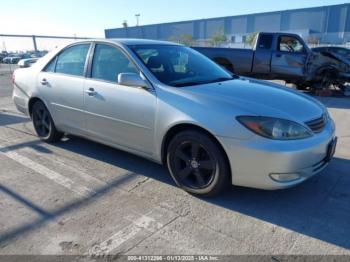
{"x":119,"y":115}
{"x":290,"y":57}
{"x":262,"y":55}
{"x":61,"y":85}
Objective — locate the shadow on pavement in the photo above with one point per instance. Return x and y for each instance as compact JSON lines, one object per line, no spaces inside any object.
{"x":319,"y":208}
{"x":134,"y":164}
{"x":339,"y":102}
{"x":35,"y":144}
{"x":46,"y":217}
{"x":9,"y":119}
{"x":117,"y":158}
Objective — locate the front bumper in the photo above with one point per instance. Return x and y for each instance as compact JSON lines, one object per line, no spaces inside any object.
{"x":253,"y":161}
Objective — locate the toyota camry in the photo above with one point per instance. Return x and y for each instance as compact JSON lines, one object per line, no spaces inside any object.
{"x":172,"y":105}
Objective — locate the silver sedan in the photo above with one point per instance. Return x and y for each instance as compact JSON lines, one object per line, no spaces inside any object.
{"x":172,"y":105}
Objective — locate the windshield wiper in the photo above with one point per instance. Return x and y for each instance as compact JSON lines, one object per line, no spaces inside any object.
{"x":193,"y":83}
{"x":222,"y":79}
{"x":189,"y":84}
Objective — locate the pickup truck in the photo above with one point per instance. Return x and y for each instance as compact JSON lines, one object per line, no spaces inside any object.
{"x":282,"y":56}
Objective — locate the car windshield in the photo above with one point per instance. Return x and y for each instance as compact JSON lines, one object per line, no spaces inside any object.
{"x":180,"y":66}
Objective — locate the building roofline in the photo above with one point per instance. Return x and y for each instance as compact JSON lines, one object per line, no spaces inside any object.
{"x":232,"y":16}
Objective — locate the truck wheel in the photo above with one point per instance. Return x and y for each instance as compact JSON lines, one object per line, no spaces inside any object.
{"x":197,"y":163}
{"x":326,"y":80}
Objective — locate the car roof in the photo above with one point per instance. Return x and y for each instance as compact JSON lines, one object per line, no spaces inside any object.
{"x":132,"y":41}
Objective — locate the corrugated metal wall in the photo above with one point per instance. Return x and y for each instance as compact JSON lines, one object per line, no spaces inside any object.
{"x":330,"y":23}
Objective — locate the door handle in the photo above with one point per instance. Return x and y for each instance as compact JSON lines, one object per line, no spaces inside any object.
{"x":44,"y":82}
{"x":91,"y":91}
{"x":278,"y":55}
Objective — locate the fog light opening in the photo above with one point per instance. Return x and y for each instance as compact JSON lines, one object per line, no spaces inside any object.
{"x":284,"y":178}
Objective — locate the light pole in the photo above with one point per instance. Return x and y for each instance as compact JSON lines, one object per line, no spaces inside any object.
{"x":137,"y":19}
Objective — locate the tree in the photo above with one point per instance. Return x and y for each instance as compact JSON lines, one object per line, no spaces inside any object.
{"x":184,"y":39}
{"x":217,"y":38}
{"x":125,"y":24}
{"x":173,"y":39}
{"x":249,"y":40}
{"x":313,"y":40}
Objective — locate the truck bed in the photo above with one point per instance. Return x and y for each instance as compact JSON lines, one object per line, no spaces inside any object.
{"x":238,"y":60}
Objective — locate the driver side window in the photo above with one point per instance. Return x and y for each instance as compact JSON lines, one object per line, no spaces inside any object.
{"x":108,"y":62}
{"x":290,"y":44}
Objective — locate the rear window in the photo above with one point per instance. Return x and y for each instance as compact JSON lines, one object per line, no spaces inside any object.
{"x":265,"y":42}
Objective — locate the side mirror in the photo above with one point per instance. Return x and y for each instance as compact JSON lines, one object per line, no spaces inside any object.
{"x":132,"y":80}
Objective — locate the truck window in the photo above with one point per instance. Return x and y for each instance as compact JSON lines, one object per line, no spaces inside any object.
{"x":290,"y":44}
{"x":265,"y":42}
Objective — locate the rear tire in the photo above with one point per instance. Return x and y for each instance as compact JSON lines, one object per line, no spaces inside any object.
{"x":43,"y":123}
{"x":197,"y":163}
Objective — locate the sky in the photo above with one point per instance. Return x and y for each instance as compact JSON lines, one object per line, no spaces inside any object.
{"x":89,"y":18}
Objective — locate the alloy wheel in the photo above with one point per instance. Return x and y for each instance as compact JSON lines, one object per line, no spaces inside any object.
{"x":194,"y":165}
{"x":41,"y":121}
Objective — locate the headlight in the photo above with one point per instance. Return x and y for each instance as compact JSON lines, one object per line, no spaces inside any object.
{"x":327,"y":116}
{"x":274,"y":128}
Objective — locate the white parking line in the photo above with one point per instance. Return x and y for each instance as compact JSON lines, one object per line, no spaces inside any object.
{"x":142,"y":223}
{"x":59,"y":162}
{"x":38,"y":168}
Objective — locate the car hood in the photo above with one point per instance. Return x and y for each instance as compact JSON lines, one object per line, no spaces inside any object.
{"x":262,"y":98}
{"x":336,"y":56}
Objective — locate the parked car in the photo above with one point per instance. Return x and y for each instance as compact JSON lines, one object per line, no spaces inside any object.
{"x":14,"y":58}
{"x":27,"y":62}
{"x":171,"y":104}
{"x":281,"y":56}
{"x":2,"y":56}
{"x":7,"y":59}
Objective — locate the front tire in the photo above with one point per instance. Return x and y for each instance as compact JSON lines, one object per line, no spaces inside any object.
{"x":43,"y":123}
{"x":197,"y":163}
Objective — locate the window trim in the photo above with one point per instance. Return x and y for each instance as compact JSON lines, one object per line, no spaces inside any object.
{"x":64,"y":49}
{"x":47,"y":65}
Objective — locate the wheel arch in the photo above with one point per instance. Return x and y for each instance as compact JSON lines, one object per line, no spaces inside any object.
{"x":32,"y":101}
{"x":327,"y":67}
{"x":323,"y":70}
{"x":319,"y":71}
{"x":184,"y":127}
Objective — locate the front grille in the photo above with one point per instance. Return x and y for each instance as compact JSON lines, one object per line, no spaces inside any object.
{"x":317,"y":125}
